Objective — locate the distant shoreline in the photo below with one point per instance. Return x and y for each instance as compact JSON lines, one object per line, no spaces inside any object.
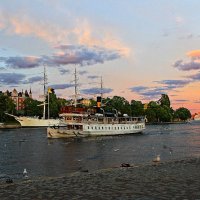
{"x":163,"y":123}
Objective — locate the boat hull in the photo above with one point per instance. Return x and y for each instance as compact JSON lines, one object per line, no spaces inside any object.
{"x":35,"y":122}
{"x":96,"y":130}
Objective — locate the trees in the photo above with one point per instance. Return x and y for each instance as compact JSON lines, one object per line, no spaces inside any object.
{"x":164,"y":100}
{"x":117,"y":103}
{"x":137,"y":108}
{"x":182,"y":114}
{"x":6,"y":105}
{"x":32,"y":108}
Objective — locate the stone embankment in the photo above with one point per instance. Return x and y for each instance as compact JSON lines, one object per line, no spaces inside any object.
{"x":168,"y":180}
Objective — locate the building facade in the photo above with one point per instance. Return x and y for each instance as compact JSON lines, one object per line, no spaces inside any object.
{"x":18,"y":97}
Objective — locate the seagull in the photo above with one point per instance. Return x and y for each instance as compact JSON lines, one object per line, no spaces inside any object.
{"x":25,"y":173}
{"x":116,"y":150}
{"x":157,"y":159}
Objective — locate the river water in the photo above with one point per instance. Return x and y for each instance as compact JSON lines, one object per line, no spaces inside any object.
{"x":29,"y":148}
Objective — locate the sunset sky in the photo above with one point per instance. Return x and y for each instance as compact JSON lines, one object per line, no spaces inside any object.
{"x":141,"y":48}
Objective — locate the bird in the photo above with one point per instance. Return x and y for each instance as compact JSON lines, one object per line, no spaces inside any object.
{"x":157,"y":159}
{"x":25,"y":173}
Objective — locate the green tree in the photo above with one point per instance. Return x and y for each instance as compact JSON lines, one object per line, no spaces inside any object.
{"x":164,"y":114}
{"x":182,"y":114}
{"x":6,"y":105}
{"x":118,"y":103}
{"x":32,"y":107}
{"x":164,"y":100}
{"x":54,"y":106}
{"x":151,"y":115}
{"x":137,"y":108}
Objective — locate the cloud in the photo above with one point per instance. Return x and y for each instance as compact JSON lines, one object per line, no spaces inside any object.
{"x":61,"y":86}
{"x":179,"y":20}
{"x":35,"y":79}
{"x":21,"y":62}
{"x":81,"y":32}
{"x":96,"y":90}
{"x":92,"y":77}
{"x":70,"y":55}
{"x":138,"y":89}
{"x":11,"y":78}
{"x":64,"y":71}
{"x":81,"y":55}
{"x":195,"y":77}
{"x":195,"y":54}
{"x":171,"y":84}
{"x":187,"y":66}
{"x":180,"y":100}
{"x":82,"y":72}
{"x":155,"y":92}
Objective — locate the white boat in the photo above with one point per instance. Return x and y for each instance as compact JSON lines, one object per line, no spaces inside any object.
{"x":28,"y":121}
{"x":36,"y":122}
{"x":84,"y":125}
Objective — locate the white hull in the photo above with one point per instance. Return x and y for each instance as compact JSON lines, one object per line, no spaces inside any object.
{"x":96,"y":130}
{"x":36,"y":122}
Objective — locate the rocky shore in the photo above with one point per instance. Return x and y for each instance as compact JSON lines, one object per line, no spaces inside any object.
{"x":169,"y":180}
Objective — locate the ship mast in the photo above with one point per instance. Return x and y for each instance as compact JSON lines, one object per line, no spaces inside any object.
{"x":45,"y":81}
{"x":101,"y":89}
{"x":75,"y":88}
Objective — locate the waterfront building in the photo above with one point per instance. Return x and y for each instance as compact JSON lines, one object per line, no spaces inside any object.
{"x":18,"y":97}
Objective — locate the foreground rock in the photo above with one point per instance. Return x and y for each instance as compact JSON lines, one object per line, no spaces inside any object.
{"x":169,"y":180}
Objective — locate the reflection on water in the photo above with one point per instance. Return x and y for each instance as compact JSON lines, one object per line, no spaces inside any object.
{"x":30,"y":149}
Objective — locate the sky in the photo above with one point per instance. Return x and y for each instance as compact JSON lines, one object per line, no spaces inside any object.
{"x":141,"y":49}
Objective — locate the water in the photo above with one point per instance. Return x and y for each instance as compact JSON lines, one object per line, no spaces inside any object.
{"x":30,"y":149}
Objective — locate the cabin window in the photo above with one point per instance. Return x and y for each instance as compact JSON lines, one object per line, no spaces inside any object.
{"x":118,"y":127}
{"x":102,"y":127}
{"x":88,"y":127}
{"x":99,"y":127}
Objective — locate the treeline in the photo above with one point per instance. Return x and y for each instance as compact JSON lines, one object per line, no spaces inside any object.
{"x":155,"y":111}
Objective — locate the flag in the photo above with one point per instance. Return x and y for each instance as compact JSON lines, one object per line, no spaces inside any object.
{"x":50,"y":90}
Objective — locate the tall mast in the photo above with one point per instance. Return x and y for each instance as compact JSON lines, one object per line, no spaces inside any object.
{"x":75,"y":88}
{"x":101,"y":88}
{"x":45,"y":81}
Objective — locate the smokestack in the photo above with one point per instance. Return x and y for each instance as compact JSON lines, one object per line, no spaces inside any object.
{"x":98,"y":104}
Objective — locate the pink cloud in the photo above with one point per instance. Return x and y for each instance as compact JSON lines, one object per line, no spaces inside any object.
{"x":82,"y":33}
